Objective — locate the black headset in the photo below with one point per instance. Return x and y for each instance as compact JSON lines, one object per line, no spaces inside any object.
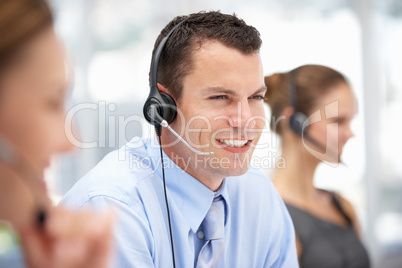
{"x":163,"y":103}
{"x":298,"y":120}
{"x":160,"y":107}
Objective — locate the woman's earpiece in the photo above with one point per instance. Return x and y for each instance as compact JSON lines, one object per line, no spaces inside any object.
{"x":297,"y":121}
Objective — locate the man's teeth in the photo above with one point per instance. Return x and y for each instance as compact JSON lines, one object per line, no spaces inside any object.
{"x":234,"y":143}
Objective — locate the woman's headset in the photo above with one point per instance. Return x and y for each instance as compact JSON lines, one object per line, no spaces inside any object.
{"x":298,"y":122}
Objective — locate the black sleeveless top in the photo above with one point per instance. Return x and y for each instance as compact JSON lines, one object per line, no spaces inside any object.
{"x":326,"y":244}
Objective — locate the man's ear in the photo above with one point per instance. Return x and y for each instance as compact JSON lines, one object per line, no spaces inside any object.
{"x":163,"y":89}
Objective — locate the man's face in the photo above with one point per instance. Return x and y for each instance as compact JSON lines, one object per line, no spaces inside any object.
{"x":221,"y":111}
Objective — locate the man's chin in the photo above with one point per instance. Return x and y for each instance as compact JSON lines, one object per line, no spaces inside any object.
{"x":236,"y":171}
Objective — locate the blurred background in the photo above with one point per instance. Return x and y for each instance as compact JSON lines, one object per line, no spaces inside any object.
{"x":109,"y":44}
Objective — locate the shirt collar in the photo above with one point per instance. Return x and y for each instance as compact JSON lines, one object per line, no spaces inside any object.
{"x":223,"y":191}
{"x":192,"y":198}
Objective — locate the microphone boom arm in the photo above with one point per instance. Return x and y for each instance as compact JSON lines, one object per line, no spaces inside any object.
{"x":166,"y":125}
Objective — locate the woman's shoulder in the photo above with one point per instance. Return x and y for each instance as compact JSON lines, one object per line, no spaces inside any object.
{"x":348,"y":208}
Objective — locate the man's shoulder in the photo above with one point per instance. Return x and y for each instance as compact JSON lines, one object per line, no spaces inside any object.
{"x":116,"y":176}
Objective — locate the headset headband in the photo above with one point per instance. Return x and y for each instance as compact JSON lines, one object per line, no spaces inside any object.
{"x":155,"y":60}
{"x":293,"y":90}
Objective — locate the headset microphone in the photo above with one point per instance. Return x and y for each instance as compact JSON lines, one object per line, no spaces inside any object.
{"x":153,"y":113}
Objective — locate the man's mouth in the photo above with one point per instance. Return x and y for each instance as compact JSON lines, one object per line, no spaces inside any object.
{"x":234,"y":143}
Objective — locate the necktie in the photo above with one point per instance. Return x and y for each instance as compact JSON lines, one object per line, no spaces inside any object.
{"x":212,"y":253}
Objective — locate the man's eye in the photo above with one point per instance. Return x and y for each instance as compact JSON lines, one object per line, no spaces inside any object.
{"x":219,"y":97}
{"x":258,"y":97}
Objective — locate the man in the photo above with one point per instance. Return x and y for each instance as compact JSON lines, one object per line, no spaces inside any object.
{"x":212,"y":68}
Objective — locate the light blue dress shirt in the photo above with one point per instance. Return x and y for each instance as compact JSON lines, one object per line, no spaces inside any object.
{"x":258,"y":229}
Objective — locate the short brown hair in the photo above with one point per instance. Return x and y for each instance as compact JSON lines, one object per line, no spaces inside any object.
{"x":20,"y":20}
{"x":311,"y":83}
{"x":176,"y":58}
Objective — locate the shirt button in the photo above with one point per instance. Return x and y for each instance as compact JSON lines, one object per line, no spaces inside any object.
{"x":200,"y":234}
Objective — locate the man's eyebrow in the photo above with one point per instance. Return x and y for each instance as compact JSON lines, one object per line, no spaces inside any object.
{"x":260,"y":90}
{"x":219,"y":90}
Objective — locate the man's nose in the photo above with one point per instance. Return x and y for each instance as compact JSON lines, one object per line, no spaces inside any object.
{"x":242,"y":117}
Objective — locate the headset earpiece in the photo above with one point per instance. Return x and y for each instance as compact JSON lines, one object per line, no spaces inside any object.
{"x":169,"y":109}
{"x":296,"y":123}
{"x":166,"y":108}
{"x":297,"y":120}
